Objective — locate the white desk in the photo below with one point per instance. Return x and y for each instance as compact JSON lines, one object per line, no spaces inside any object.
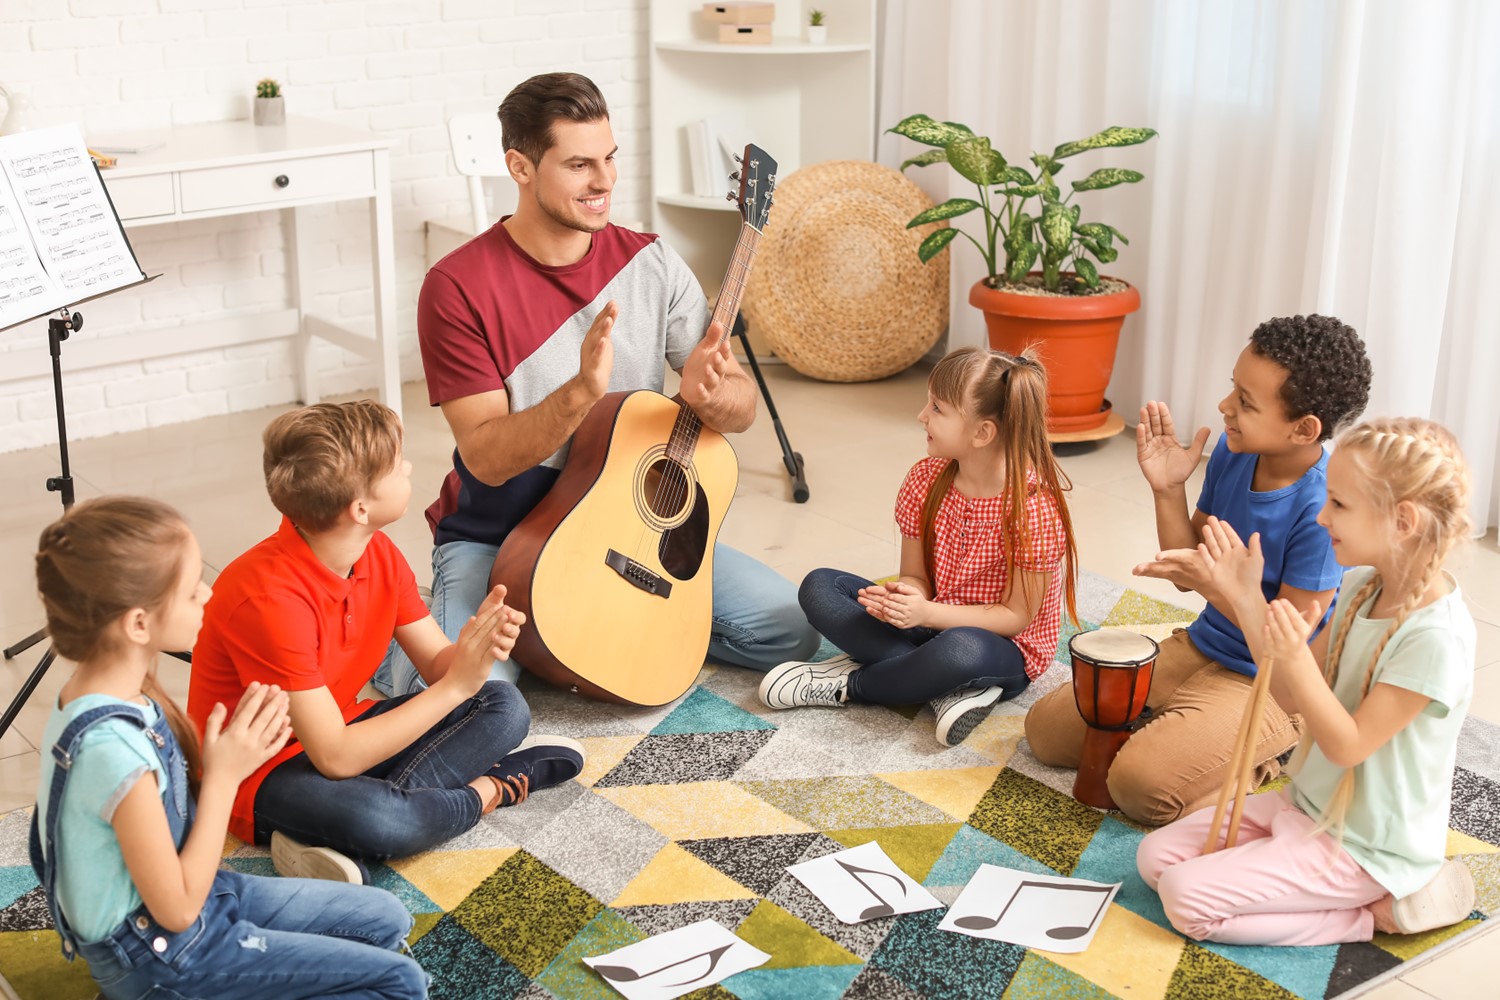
{"x":229,"y":168}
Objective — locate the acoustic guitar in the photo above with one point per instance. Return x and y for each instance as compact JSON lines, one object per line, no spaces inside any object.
{"x":614,"y":568}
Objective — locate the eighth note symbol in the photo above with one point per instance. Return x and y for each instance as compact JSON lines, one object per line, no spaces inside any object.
{"x":625,"y":974}
{"x":974,"y":922}
{"x":880,"y":908}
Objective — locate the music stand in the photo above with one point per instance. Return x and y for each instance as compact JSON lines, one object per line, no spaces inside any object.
{"x":61,"y":244}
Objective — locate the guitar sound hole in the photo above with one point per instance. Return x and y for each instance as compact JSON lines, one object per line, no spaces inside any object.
{"x":667,"y":489}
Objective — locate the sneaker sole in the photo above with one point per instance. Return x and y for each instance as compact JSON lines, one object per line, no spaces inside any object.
{"x":538,"y":739}
{"x":295,"y":860}
{"x":768,"y":684}
{"x":967,"y":721}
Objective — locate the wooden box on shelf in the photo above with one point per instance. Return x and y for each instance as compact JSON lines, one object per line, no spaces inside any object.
{"x":745,"y":34}
{"x":742,"y":12}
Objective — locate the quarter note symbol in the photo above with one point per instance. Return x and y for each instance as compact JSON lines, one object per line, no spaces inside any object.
{"x":1065,"y":932}
{"x":625,"y":974}
{"x":880,"y":908}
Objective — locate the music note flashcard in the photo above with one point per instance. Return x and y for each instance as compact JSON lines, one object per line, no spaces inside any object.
{"x":862,"y":884}
{"x":677,"y":962}
{"x":1045,"y":912}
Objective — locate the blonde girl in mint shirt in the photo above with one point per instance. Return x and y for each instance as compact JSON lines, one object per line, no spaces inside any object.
{"x":1355,"y":843}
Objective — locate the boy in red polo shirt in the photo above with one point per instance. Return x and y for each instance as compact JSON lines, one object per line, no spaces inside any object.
{"x":313,"y":608}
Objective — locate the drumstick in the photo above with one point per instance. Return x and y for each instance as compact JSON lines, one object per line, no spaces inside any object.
{"x":1237,"y":776}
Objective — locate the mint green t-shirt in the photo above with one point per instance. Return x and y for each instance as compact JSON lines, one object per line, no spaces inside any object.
{"x":93,"y":885}
{"x":1397,"y":825}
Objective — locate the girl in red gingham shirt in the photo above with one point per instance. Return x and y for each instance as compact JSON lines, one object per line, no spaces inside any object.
{"x":987,"y":557}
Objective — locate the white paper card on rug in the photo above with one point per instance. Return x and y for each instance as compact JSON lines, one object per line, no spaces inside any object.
{"x":862,"y":883}
{"x":677,"y":962}
{"x":1045,"y":912}
{"x":60,"y":240}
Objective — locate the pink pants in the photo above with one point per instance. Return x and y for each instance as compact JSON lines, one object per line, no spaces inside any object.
{"x":1277,"y":885}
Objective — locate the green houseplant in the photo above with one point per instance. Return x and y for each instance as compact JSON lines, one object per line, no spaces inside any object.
{"x":817,"y":27}
{"x":1043,"y":286}
{"x":269,"y":106}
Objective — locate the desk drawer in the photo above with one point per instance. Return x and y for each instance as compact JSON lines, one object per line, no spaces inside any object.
{"x":140,"y":197}
{"x":277,"y":181}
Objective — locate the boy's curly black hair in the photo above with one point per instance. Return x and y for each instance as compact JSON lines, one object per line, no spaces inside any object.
{"x":1327,"y":372}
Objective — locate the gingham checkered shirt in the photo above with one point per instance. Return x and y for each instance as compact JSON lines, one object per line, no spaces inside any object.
{"x":971,"y":565}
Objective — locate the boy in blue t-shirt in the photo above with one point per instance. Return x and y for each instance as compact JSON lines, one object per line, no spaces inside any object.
{"x":1297,"y":381}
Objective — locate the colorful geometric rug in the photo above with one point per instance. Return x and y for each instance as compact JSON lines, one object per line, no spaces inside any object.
{"x":695,"y":810}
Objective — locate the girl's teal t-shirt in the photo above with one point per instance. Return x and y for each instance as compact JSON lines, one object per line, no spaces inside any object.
{"x":1397,"y":824}
{"x":93,"y":885}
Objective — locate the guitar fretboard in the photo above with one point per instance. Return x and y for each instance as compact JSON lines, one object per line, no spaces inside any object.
{"x":685,"y":431}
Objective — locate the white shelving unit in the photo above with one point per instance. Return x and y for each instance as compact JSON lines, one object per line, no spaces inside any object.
{"x":804,"y":104}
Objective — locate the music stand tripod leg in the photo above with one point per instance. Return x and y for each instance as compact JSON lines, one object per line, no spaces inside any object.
{"x":58,"y":329}
{"x":795,"y":467}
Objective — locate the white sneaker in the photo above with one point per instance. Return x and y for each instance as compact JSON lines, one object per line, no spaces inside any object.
{"x":797,"y":683}
{"x":294,"y":859}
{"x":1447,"y":899}
{"x":958,"y":713}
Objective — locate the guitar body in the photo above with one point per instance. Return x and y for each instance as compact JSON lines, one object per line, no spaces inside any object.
{"x":614,"y":568}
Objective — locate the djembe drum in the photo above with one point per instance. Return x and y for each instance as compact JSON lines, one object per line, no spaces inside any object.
{"x":1111,"y":678}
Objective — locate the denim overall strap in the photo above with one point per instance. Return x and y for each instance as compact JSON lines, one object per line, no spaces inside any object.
{"x":63,"y":753}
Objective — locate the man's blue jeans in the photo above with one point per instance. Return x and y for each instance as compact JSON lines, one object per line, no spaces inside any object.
{"x":757,"y":621}
{"x":411,"y":802}
{"x":266,"y":937}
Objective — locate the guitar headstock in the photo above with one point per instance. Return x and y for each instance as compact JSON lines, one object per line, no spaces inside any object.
{"x":757,"y":177}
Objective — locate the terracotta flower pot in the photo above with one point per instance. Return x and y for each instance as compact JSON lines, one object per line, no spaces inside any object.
{"x":1076,"y":337}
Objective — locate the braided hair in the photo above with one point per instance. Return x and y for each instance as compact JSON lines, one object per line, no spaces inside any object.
{"x":1403,"y":459}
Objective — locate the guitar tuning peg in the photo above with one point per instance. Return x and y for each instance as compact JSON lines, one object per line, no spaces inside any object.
{"x":735,"y":176}
{"x":729,"y":196}
{"x":738,"y":158}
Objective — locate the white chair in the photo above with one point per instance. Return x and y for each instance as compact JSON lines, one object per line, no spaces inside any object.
{"x":474,"y":137}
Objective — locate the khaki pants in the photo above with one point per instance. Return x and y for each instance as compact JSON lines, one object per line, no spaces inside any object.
{"x":1176,"y":763}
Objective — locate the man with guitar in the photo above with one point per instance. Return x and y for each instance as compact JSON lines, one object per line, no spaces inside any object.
{"x":524,"y":328}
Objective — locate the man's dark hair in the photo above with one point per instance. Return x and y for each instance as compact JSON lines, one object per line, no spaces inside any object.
{"x":1327,"y":372}
{"x":529,"y":111}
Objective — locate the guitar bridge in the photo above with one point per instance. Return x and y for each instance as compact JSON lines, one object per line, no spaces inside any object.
{"x":638,"y":575}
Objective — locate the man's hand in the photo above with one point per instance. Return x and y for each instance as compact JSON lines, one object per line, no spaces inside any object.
{"x":1165,"y":463}
{"x":596,"y":358}
{"x":895,"y":603}
{"x":703,"y":371}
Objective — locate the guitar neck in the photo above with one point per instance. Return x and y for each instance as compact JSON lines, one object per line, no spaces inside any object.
{"x":728,"y":305}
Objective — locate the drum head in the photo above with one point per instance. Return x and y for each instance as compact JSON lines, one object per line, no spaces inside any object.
{"x":1114,"y":646}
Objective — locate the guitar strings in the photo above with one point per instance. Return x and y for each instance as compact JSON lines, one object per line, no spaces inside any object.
{"x":674,"y":485}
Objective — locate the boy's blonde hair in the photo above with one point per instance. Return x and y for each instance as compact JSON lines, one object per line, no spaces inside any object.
{"x":321,"y":458}
{"x":1399,"y":459}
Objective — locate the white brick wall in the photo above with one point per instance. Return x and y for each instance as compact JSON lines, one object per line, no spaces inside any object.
{"x":398,"y":67}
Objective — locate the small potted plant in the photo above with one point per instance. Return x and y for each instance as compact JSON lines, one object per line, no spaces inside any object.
{"x":817,"y":31}
{"x":269,"y":106}
{"x":1070,"y":311}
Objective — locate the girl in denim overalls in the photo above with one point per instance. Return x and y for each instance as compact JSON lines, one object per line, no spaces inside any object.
{"x":131,"y":874}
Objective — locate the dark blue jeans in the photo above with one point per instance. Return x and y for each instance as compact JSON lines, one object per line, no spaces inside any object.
{"x":404,"y":805}
{"x":906,"y":666}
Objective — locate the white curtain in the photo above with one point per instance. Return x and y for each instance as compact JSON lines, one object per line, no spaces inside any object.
{"x":1329,"y":156}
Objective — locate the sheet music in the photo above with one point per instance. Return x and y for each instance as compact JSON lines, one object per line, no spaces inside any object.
{"x":863,"y":883}
{"x":60,"y":240}
{"x":676,"y":962}
{"x":1035,"y":911}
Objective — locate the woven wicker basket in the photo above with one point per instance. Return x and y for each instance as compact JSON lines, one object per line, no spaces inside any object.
{"x":837,"y":290}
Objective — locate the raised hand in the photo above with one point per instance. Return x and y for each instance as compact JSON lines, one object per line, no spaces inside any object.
{"x":1287,"y":630}
{"x":1165,"y":463}
{"x":488,"y":636}
{"x":1183,"y":568}
{"x":1235,"y":570}
{"x":895,"y":603}
{"x":704,"y":368}
{"x":257,"y":732}
{"x":596,"y":358}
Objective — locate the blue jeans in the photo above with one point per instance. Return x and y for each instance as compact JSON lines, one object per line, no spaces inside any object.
{"x":404,"y":805}
{"x":757,"y":622}
{"x":906,"y":666}
{"x":262,"y":937}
